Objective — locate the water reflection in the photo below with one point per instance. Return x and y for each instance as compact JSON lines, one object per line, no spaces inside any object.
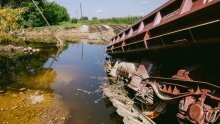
{"x":28,"y":97}
{"x":27,"y":70}
{"x":63,"y":72}
{"x":80,"y":67}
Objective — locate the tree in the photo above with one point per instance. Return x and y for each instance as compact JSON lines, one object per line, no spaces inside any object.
{"x":94,"y":18}
{"x":15,"y":3}
{"x":53,"y":12}
{"x":84,"y":18}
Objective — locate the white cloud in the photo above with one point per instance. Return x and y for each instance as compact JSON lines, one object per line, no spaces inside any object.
{"x":99,"y":11}
{"x":144,"y":2}
{"x":51,"y":0}
{"x":141,"y":14}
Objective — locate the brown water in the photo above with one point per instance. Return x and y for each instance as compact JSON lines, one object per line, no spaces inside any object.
{"x":77,"y":67}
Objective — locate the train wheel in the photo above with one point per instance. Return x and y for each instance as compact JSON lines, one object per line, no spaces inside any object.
{"x":153,"y":111}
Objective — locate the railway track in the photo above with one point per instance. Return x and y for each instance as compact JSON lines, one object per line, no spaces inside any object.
{"x":103,"y":28}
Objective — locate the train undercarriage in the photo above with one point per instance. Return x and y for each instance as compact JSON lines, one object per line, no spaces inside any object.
{"x":197,"y":102}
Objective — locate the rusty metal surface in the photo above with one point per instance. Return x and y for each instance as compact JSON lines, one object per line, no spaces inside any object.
{"x":196,"y":5}
{"x":197,"y":111}
{"x":157,"y":30}
{"x":179,"y":32}
{"x":194,"y":96}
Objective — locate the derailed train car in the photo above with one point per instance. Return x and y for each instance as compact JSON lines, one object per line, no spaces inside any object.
{"x":171,"y":57}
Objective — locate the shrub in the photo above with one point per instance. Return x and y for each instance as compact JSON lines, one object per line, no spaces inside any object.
{"x":74,"y":20}
{"x":84,"y":18}
{"x":53,"y":12}
{"x":9,"y":19}
{"x":94,"y":18}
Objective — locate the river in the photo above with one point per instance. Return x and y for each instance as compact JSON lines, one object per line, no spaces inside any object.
{"x":73,"y":73}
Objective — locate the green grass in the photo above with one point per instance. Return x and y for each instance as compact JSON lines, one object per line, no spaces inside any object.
{"x":114,"y":21}
{"x":123,"y":21}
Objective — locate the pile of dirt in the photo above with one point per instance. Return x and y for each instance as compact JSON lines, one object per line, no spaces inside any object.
{"x":87,"y":33}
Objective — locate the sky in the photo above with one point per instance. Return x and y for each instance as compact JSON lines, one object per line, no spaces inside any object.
{"x":110,"y":8}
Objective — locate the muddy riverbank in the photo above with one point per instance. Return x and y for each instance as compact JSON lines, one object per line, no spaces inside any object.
{"x":32,"y":106}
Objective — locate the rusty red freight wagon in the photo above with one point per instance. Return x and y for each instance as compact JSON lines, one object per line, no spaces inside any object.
{"x":171,"y":57}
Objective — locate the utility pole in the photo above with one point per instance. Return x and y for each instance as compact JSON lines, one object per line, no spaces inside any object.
{"x":60,"y":43}
{"x":0,"y":4}
{"x":77,"y":16}
{"x":82,"y":51}
{"x":81,"y":10}
{"x":41,"y":13}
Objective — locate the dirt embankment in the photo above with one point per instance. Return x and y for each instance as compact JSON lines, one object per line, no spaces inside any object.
{"x":94,"y":34}
{"x":84,"y":33}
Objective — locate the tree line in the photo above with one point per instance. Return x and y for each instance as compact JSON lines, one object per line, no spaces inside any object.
{"x":54,"y":13}
{"x":31,"y":16}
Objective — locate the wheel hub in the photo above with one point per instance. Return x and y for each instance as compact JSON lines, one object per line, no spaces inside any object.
{"x":196,"y":113}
